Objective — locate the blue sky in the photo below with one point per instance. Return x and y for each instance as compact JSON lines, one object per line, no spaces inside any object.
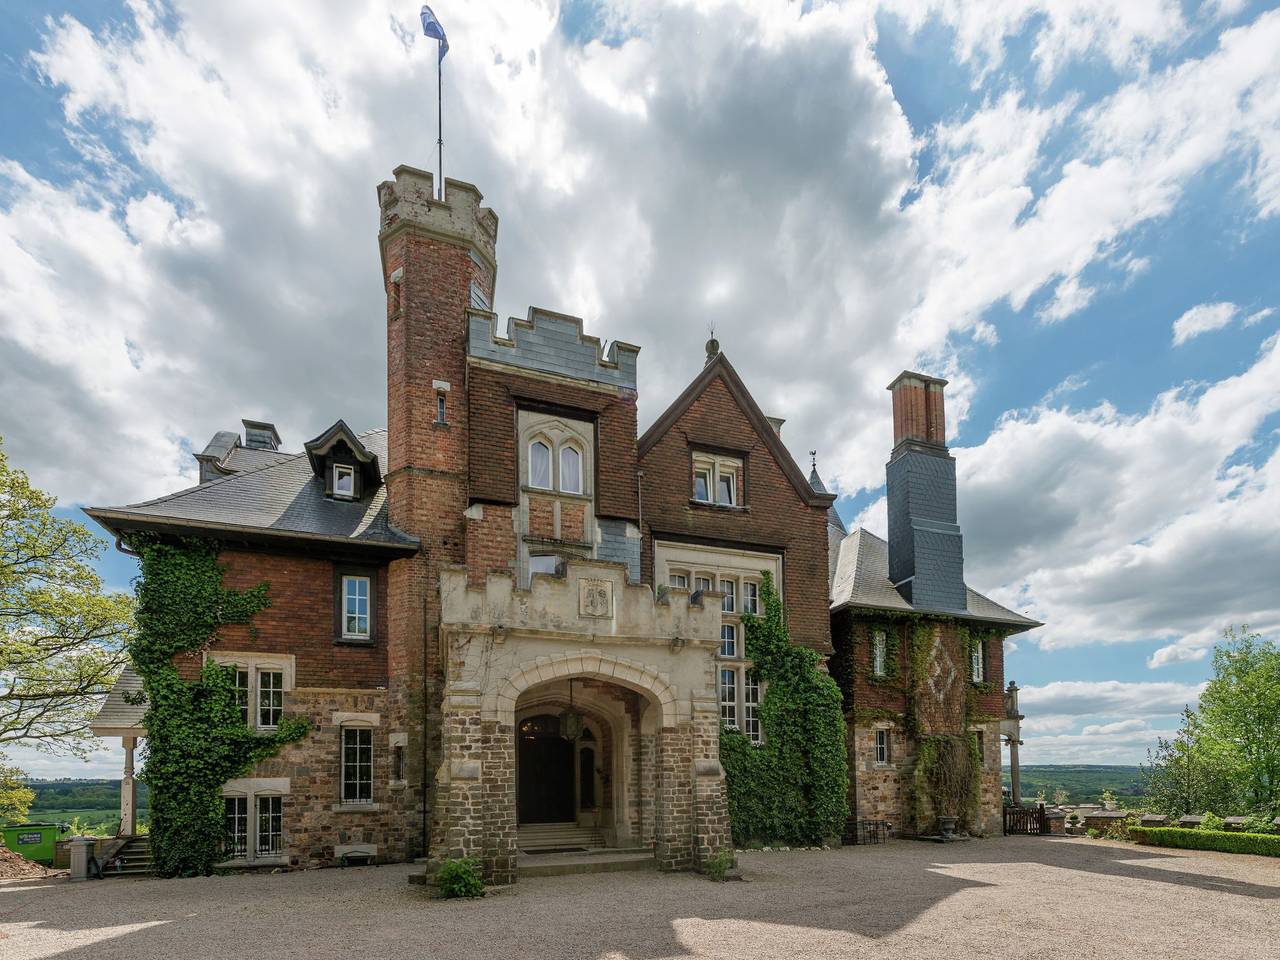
{"x":1070,"y":209}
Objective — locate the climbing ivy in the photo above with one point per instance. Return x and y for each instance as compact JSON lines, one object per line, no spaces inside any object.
{"x":793,"y":788}
{"x":196,"y":736}
{"x":946,"y":781}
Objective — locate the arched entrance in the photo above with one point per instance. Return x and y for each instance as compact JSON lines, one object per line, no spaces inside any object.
{"x":545,"y":765}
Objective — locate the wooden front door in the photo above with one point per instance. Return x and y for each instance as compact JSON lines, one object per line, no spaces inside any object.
{"x":545,"y":772}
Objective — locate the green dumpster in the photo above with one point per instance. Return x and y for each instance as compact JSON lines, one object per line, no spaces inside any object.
{"x":33,"y":840}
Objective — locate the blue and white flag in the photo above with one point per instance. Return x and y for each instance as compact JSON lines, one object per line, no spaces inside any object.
{"x":432,"y":28}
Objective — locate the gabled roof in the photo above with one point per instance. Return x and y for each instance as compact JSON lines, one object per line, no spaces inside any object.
{"x":282,"y":500}
{"x":719,"y":366}
{"x":117,"y":717}
{"x":862,"y":580}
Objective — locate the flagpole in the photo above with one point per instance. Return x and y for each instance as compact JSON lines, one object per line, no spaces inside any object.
{"x":440,"y":119}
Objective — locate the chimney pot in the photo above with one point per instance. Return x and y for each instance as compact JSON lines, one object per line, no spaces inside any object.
{"x":919,"y":412}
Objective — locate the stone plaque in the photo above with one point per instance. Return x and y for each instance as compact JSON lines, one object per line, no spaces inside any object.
{"x":595,"y":598}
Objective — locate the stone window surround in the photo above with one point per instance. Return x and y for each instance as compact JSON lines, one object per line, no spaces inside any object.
{"x":282,"y":663}
{"x":251,"y":788}
{"x":718,"y":564}
{"x":340,"y":572}
{"x":556,"y":430}
{"x":342,"y":719}
{"x":888,"y":727}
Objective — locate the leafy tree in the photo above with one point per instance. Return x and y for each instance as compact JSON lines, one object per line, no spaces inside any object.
{"x":1187,"y":773}
{"x":1240,"y":714}
{"x":1060,"y":797}
{"x":15,"y":795}
{"x":61,"y":636}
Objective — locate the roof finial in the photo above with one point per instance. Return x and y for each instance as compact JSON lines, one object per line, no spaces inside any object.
{"x":813,"y":460}
{"x":713,"y":345}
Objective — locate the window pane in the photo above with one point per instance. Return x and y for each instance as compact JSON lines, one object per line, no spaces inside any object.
{"x":878,"y":651}
{"x":729,"y":698}
{"x":270,"y":821}
{"x":977,"y":666}
{"x":729,"y":589}
{"x":750,"y":598}
{"x":679,"y":580}
{"x":570,"y":470}
{"x":702,"y":485}
{"x":702,"y":583}
{"x":751,"y":707}
{"x":357,"y":764}
{"x":728,"y":640}
{"x":355,"y":607}
{"x":270,"y":698}
{"x":344,"y":481}
{"x":724,"y":489}
{"x":539,"y":465}
{"x":242,"y":694}
{"x":542,"y":563}
{"x":235,"y":827}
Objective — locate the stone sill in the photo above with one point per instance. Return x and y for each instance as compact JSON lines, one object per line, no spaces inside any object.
{"x":356,"y":807}
{"x":397,"y":784}
{"x":722,"y":507}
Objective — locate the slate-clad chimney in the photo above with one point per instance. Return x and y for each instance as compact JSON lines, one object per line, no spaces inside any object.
{"x":926,"y":555}
{"x":260,"y":435}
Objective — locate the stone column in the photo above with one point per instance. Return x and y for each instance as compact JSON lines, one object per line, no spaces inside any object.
{"x":711,"y":832}
{"x":674,"y":814}
{"x":128,"y":791}
{"x":1015,"y":772}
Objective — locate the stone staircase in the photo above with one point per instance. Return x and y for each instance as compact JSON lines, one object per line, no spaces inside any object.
{"x":136,"y":859}
{"x":557,"y":837}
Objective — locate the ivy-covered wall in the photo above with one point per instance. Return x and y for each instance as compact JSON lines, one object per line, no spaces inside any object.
{"x":196,"y":737}
{"x":792,"y":788}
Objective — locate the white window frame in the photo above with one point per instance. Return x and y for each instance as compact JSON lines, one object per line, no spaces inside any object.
{"x":551,"y":453}
{"x":732,"y":638}
{"x":727,"y":691}
{"x":703,"y":583}
{"x":680,"y":576}
{"x":554,"y":558}
{"x":978,"y":662}
{"x":561,"y":485}
{"x":265,"y":697}
{"x":751,"y":597}
{"x":879,"y":653}
{"x":250,"y":791}
{"x":752,"y":694}
{"x":728,"y":604}
{"x":341,"y":470}
{"x":441,"y":407}
{"x":343,"y":730}
{"x":368,"y":603}
{"x":278,"y":832}
{"x":884,"y":746}
{"x":716,"y":468}
{"x":252,"y":665}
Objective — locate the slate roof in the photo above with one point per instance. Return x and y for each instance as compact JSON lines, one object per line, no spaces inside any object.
{"x":861,"y":579}
{"x":281,"y":498}
{"x":116,"y":717}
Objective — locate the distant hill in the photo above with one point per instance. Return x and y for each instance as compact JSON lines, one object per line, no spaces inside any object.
{"x":80,"y":794}
{"x":1084,"y":783}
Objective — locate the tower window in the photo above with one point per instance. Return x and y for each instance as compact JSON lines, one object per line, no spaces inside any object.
{"x":540,"y":465}
{"x":440,"y":408}
{"x":570,"y":470}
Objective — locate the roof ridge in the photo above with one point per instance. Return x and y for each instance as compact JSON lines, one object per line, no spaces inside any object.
{"x":208,"y":485}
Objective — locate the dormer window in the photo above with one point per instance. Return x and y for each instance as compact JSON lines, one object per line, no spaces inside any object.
{"x":726,"y":490}
{"x":344,"y":481}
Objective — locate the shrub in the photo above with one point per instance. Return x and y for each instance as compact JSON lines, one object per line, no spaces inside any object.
{"x":1211,"y":821}
{"x":1117,"y":830}
{"x":1263,"y":845}
{"x":1094,"y":833}
{"x":717,"y":867}
{"x":460,"y":878}
{"x":1260,"y":823}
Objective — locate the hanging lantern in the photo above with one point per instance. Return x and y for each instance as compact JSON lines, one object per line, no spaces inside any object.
{"x":571,"y":722}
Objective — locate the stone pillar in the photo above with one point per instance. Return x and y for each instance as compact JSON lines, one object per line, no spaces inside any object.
{"x":1015,"y":772}
{"x":711,"y":832}
{"x":128,"y":791}
{"x":674,"y":820}
{"x":499,"y":797}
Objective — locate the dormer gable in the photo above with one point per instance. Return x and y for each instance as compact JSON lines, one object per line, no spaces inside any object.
{"x":348,"y":470}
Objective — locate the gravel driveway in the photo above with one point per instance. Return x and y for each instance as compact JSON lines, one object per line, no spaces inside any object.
{"x":990,"y":899}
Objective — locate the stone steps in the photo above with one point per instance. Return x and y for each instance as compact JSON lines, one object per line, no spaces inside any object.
{"x":135,"y":857}
{"x":557,"y":836}
{"x":601,"y":861}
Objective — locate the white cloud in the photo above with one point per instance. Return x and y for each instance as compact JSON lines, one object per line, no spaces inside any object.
{"x":1069,"y":298}
{"x":1090,"y":697}
{"x":1203,"y":318}
{"x":1258,"y":316}
{"x":1156,"y":525}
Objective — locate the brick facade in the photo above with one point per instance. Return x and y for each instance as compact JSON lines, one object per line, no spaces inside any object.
{"x":773,"y":517}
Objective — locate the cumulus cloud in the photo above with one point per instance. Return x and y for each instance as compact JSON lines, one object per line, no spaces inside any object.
{"x":1156,"y":525}
{"x":1087,"y":697}
{"x":1203,"y":318}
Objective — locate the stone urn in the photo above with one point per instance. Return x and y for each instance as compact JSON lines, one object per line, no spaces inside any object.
{"x":948,"y":825}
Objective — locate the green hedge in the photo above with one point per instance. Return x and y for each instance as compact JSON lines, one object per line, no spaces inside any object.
{"x":1264,"y":845}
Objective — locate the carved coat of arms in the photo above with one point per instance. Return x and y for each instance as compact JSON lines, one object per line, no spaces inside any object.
{"x":595,"y":598}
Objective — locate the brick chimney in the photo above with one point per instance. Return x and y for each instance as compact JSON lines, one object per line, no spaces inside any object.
{"x":926,"y":550}
{"x":438,"y":262}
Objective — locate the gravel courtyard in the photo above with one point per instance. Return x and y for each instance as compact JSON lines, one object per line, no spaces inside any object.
{"x":1000,"y":898}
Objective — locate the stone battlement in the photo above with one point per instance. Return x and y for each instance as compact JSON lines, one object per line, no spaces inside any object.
{"x":589,"y":598}
{"x":410,"y":199}
{"x":552,"y":343}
